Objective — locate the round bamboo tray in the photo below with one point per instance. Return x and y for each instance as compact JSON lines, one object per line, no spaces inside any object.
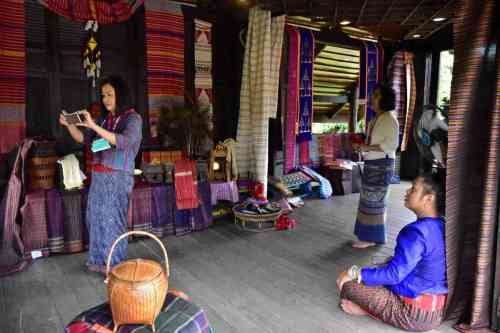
{"x":137,"y":287}
{"x":255,"y":222}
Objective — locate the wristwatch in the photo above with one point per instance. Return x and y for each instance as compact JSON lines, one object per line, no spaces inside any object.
{"x":354,"y":273}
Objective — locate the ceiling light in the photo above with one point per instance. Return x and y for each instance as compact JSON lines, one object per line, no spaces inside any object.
{"x":345,"y":22}
{"x":439,"y":19}
{"x":416,"y":36}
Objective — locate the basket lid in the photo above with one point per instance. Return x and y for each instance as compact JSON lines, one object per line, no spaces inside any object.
{"x":137,"y":270}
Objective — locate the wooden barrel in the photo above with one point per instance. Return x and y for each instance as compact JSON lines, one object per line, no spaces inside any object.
{"x":137,"y":287}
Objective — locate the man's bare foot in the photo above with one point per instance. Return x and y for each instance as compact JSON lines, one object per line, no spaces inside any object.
{"x":362,"y":244}
{"x":352,"y":308}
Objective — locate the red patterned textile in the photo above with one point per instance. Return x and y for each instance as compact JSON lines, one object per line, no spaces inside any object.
{"x":104,"y":12}
{"x":427,"y":302}
{"x":12,"y":75}
{"x":185,"y":184}
{"x":164,"y":58}
{"x":304,"y":158}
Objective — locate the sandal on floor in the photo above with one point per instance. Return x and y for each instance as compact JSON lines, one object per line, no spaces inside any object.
{"x":362,"y":244}
{"x":96,"y":269}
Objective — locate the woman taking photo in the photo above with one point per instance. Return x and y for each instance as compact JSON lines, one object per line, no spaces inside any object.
{"x":114,"y":139}
{"x":379,"y":152}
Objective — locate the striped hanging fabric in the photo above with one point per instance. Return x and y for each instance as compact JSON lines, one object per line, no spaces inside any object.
{"x":401,"y":75}
{"x":104,"y":12}
{"x":164,"y":58}
{"x":259,"y":92}
{"x":411,"y":98}
{"x":12,"y":75}
{"x":473,"y":170}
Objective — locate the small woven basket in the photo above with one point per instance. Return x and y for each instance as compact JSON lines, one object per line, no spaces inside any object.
{"x":137,"y":287}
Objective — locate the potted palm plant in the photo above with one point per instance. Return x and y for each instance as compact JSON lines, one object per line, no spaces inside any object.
{"x":186,"y":128}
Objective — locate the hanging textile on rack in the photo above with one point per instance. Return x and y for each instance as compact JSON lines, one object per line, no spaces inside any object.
{"x":306,"y":84}
{"x":164,"y":58}
{"x":372,"y":79}
{"x":292,"y":112}
{"x":203,"y":65}
{"x":13,"y":75}
{"x":104,"y":12}
{"x":380,"y":60}
{"x":401,"y":76}
{"x":259,"y":92}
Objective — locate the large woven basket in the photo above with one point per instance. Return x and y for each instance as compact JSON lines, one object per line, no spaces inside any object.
{"x":137,"y":287}
{"x":255,"y":222}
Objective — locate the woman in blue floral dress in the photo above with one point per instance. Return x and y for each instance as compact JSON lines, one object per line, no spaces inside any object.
{"x":115,"y":138}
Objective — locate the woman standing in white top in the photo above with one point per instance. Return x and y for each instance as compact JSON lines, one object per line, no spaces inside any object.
{"x":379,"y":152}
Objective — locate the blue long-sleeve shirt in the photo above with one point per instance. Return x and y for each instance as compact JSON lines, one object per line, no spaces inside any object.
{"x":419,"y":262}
{"x":128,"y":133}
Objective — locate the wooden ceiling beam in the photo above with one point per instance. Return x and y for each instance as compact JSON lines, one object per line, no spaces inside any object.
{"x":361,"y":12}
{"x":445,"y":23}
{"x":413,"y":12}
{"x":285,"y":6}
{"x":385,"y":14}
{"x":436,"y":13}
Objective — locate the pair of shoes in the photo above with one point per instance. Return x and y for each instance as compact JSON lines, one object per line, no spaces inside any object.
{"x":362,"y":244}
{"x":284,"y":223}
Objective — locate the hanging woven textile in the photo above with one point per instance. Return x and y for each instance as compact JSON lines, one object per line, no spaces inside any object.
{"x":259,"y":92}
{"x":164,"y":58}
{"x":401,"y":75}
{"x":372,"y":79}
{"x":292,"y":112}
{"x":92,"y":52}
{"x":306,"y":84}
{"x":104,"y":12}
{"x":203,"y":64}
{"x":12,"y":75}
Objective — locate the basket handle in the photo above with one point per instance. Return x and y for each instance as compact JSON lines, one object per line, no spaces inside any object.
{"x":137,"y":232}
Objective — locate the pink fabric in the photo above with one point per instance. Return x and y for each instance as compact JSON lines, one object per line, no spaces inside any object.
{"x":185,"y":184}
{"x":224,"y":191}
{"x":293,"y":97}
{"x":11,"y":262}
{"x":34,"y":225}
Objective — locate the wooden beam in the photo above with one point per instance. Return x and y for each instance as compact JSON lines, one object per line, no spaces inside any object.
{"x":285,"y":7}
{"x":385,"y":14}
{"x":412,"y":32}
{"x":361,"y":12}
{"x":444,"y":24}
{"x":413,"y":12}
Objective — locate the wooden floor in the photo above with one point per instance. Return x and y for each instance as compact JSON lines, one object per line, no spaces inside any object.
{"x":277,"y":281}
